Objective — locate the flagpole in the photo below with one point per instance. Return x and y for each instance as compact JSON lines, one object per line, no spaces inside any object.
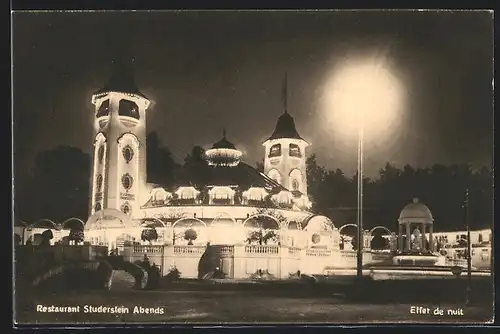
{"x":469,"y":251}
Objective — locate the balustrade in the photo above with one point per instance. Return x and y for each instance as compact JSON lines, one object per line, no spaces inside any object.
{"x":147,"y":249}
{"x":262,"y":249}
{"x":318,"y":252}
{"x":192,"y":250}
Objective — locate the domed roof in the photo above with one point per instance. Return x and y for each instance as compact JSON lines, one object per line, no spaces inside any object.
{"x":285,"y":128}
{"x":416,"y":211}
{"x":224,"y":143}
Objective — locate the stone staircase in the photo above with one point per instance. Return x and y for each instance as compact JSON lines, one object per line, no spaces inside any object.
{"x":121,"y":280}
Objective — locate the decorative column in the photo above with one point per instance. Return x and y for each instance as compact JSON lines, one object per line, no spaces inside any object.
{"x":423,"y":239}
{"x":431,"y":241}
{"x":400,"y":238}
{"x":408,"y":236}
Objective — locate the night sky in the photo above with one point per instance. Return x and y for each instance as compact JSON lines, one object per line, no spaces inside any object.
{"x":209,"y":70}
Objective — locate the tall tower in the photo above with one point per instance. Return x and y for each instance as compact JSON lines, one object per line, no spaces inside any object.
{"x":285,"y":159}
{"x":119,"y":158}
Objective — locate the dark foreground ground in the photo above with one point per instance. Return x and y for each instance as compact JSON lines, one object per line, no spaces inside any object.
{"x":265,"y":303}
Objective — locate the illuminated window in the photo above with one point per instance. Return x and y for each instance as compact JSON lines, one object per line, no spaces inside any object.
{"x":275,"y":151}
{"x":128,"y":153}
{"x":99,"y":183}
{"x":103,"y":109}
{"x":295,"y":185}
{"x":294,"y":151}
{"x":127,"y":181}
{"x":187,"y":193}
{"x":97,"y":207}
{"x":100,"y":154}
{"x":129,"y":109}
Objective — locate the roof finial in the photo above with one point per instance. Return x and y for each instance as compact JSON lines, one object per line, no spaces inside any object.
{"x":224,"y":133}
{"x":285,"y":93}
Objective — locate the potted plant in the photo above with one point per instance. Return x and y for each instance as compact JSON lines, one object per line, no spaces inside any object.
{"x":149,"y":235}
{"x":190,"y":235}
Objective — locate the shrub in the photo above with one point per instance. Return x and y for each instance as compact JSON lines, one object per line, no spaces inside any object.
{"x":218,"y":273}
{"x":173,"y":274}
{"x":17,"y":239}
{"x":154,"y":275}
{"x":47,"y":235}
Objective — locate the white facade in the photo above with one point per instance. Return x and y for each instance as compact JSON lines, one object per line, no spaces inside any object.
{"x":285,"y":162}
{"x":119,"y":159}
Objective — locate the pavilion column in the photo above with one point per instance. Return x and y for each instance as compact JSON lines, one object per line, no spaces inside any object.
{"x":408,"y":236}
{"x":423,"y":239}
{"x":431,"y":241}
{"x":400,"y":238}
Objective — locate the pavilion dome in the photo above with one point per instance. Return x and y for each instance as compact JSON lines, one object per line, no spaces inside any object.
{"x":416,"y":211}
{"x":223,"y":152}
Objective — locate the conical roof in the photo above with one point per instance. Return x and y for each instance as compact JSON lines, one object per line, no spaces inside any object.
{"x":285,"y":128}
{"x":121,"y":80}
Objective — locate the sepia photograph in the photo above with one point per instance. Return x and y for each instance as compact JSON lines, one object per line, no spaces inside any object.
{"x":252,"y":167}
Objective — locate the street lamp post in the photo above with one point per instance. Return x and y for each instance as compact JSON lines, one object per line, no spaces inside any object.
{"x":359,"y":220}
{"x":363,"y":96}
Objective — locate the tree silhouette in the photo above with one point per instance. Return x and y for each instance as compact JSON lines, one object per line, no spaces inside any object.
{"x":354,"y":242}
{"x":195,"y":167}
{"x":161,"y":166}
{"x":378,"y":242}
{"x":260,"y":166}
{"x":57,"y":187}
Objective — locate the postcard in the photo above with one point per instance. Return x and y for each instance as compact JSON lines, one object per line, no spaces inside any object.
{"x":252,"y":167}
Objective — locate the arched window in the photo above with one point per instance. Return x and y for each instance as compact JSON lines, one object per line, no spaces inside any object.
{"x":103,"y":109}
{"x":129,"y":109}
{"x":100,"y":154}
{"x":97,"y":207}
{"x":275,"y":151}
{"x":99,"y":183}
{"x":274,"y":175}
{"x":294,"y":151}
{"x":295,"y":179}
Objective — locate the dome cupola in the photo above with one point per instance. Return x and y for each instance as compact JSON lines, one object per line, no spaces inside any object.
{"x":223,"y":153}
{"x":416,"y":212}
